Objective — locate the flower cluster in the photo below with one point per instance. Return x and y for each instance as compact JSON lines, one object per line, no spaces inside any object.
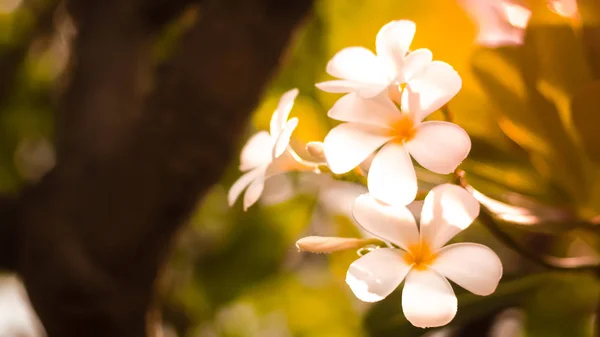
{"x":387,"y":97}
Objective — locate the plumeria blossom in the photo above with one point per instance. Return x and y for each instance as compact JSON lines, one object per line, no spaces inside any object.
{"x":267,"y":154}
{"x":360,"y":70}
{"x":566,"y":8}
{"x":420,"y":259}
{"x":373,"y":123}
{"x":499,"y":22}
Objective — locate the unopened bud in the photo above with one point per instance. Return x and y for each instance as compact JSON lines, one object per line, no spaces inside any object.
{"x":327,"y":244}
{"x":315,"y":149}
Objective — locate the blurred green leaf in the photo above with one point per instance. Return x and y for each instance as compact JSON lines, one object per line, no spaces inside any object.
{"x":563,"y":306}
{"x":590,"y":29}
{"x":559,"y":58}
{"x":500,"y":172}
{"x":585,"y":110}
{"x":509,"y":76}
{"x":386,"y":318}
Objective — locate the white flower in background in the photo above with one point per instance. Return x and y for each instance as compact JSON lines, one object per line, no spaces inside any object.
{"x":499,"y":22}
{"x":421,"y":258}
{"x":438,"y":146}
{"x":267,"y":154}
{"x":566,"y":8}
{"x":361,"y":71}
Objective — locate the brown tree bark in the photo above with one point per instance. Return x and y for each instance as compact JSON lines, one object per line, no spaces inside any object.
{"x":137,"y":146}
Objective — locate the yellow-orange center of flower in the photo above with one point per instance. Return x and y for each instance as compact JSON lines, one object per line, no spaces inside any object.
{"x":403,"y":130}
{"x":420,"y":256}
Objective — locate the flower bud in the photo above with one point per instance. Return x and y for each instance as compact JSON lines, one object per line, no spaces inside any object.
{"x":327,"y":244}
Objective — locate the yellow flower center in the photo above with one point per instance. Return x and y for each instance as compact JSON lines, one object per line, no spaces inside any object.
{"x":403,"y":130}
{"x":420,"y":256}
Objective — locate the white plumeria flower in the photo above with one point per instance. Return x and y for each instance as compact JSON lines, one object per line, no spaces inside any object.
{"x":438,"y":146}
{"x":267,"y":154}
{"x":499,"y":22}
{"x":361,"y":71}
{"x":566,"y":8}
{"x":427,"y":298}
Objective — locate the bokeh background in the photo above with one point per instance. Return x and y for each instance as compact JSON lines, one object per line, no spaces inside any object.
{"x":532,"y":111}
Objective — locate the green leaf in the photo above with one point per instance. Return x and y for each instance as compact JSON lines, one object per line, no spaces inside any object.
{"x":563,"y":306}
{"x":386,"y":318}
{"x":590,"y":30}
{"x":585,"y":110}
{"x":509,"y":76}
{"x":559,"y":59}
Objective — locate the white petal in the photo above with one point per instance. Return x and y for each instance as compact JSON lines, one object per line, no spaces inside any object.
{"x":281,"y":114}
{"x":436,"y":85}
{"x":243,"y":181}
{"x":348,"y":144}
{"x":393,"y":41}
{"x":428,"y":299}
{"x":392,"y":177}
{"x":352,"y":107}
{"x":416,"y":62}
{"x":257,"y":151}
{"x":448,"y":209}
{"x":439,"y":146}
{"x":472,"y":266}
{"x":395,"y":224}
{"x":254,"y":191}
{"x":361,"y":66}
{"x":283,"y":139}
{"x":376,"y":275}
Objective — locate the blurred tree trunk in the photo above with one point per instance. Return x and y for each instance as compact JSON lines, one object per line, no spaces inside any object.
{"x":137,"y":145}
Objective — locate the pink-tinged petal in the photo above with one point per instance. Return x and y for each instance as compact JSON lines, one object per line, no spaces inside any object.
{"x":392,"y":42}
{"x":439,"y":146}
{"x":392,"y":178}
{"x":283,"y":139}
{"x":416,"y":62}
{"x":376,"y":275}
{"x":472,"y":266}
{"x":288,"y":161}
{"x":448,"y":209}
{"x":428,"y":299}
{"x":348,"y":144}
{"x":500,"y":22}
{"x":391,"y":223}
{"x":243,"y":182}
{"x":257,"y":151}
{"x":359,"y":65}
{"x":254,"y":191}
{"x":281,"y":114}
{"x":411,"y":103}
{"x":415,"y":208}
{"x":436,"y":85}
{"x":352,"y":107}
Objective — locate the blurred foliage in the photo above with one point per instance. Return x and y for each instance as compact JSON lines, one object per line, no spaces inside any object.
{"x":533,"y":113}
